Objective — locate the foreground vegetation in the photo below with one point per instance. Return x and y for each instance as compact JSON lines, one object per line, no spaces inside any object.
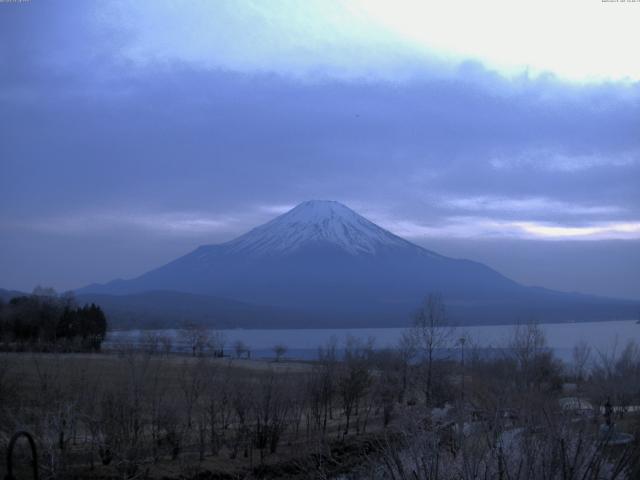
{"x":356,"y":412}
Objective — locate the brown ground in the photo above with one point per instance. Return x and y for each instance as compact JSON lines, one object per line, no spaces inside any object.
{"x":297,"y":456}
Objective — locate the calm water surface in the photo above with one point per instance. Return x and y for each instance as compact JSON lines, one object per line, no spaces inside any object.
{"x":304,"y":343}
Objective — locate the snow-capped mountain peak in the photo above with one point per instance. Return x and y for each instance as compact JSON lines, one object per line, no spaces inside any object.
{"x":313,"y":223}
{"x":334,"y":268}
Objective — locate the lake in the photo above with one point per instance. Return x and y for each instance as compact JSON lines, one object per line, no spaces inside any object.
{"x":304,"y":343}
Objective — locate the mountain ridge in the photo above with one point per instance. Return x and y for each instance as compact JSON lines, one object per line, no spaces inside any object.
{"x":324,"y":259}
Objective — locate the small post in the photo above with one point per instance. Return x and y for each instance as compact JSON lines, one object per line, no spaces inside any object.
{"x":608,"y":413}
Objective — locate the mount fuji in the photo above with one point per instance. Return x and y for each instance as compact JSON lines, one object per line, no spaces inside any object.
{"x":323,"y":264}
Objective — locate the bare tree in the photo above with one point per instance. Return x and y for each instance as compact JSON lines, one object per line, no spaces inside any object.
{"x":271,"y":412}
{"x":240,"y":348}
{"x":166,"y":344}
{"x":279,"y":350}
{"x":581,"y":356}
{"x":616,"y":377}
{"x":192,"y":383}
{"x":355,"y":378}
{"x":196,"y":338}
{"x":388,"y":383}
{"x":241,"y":403}
{"x":150,"y":342}
{"x":217,"y":403}
{"x":534,"y":360}
{"x":216,"y":344}
{"x":155,"y":400}
{"x":123,"y":420}
{"x":431,"y":331}
{"x":406,"y":353}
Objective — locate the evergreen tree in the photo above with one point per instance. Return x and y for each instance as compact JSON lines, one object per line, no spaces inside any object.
{"x":46,"y":319}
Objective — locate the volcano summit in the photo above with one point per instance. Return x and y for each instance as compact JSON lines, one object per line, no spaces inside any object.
{"x":333,"y":267}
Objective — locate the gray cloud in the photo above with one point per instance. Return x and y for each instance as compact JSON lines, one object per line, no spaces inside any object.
{"x":94,"y":143}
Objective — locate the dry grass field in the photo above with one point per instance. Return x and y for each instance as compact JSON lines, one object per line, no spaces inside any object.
{"x":164,"y":410}
{"x":397,"y":414}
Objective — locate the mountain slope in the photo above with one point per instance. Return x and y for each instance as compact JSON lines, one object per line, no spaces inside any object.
{"x":326,"y":260}
{"x":166,"y":309}
{"x":6,"y":295}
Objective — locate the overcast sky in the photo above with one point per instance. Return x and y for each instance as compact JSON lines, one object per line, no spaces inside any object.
{"x":132,"y":132}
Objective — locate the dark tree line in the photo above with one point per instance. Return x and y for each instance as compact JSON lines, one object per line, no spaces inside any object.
{"x":44,"y":320}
